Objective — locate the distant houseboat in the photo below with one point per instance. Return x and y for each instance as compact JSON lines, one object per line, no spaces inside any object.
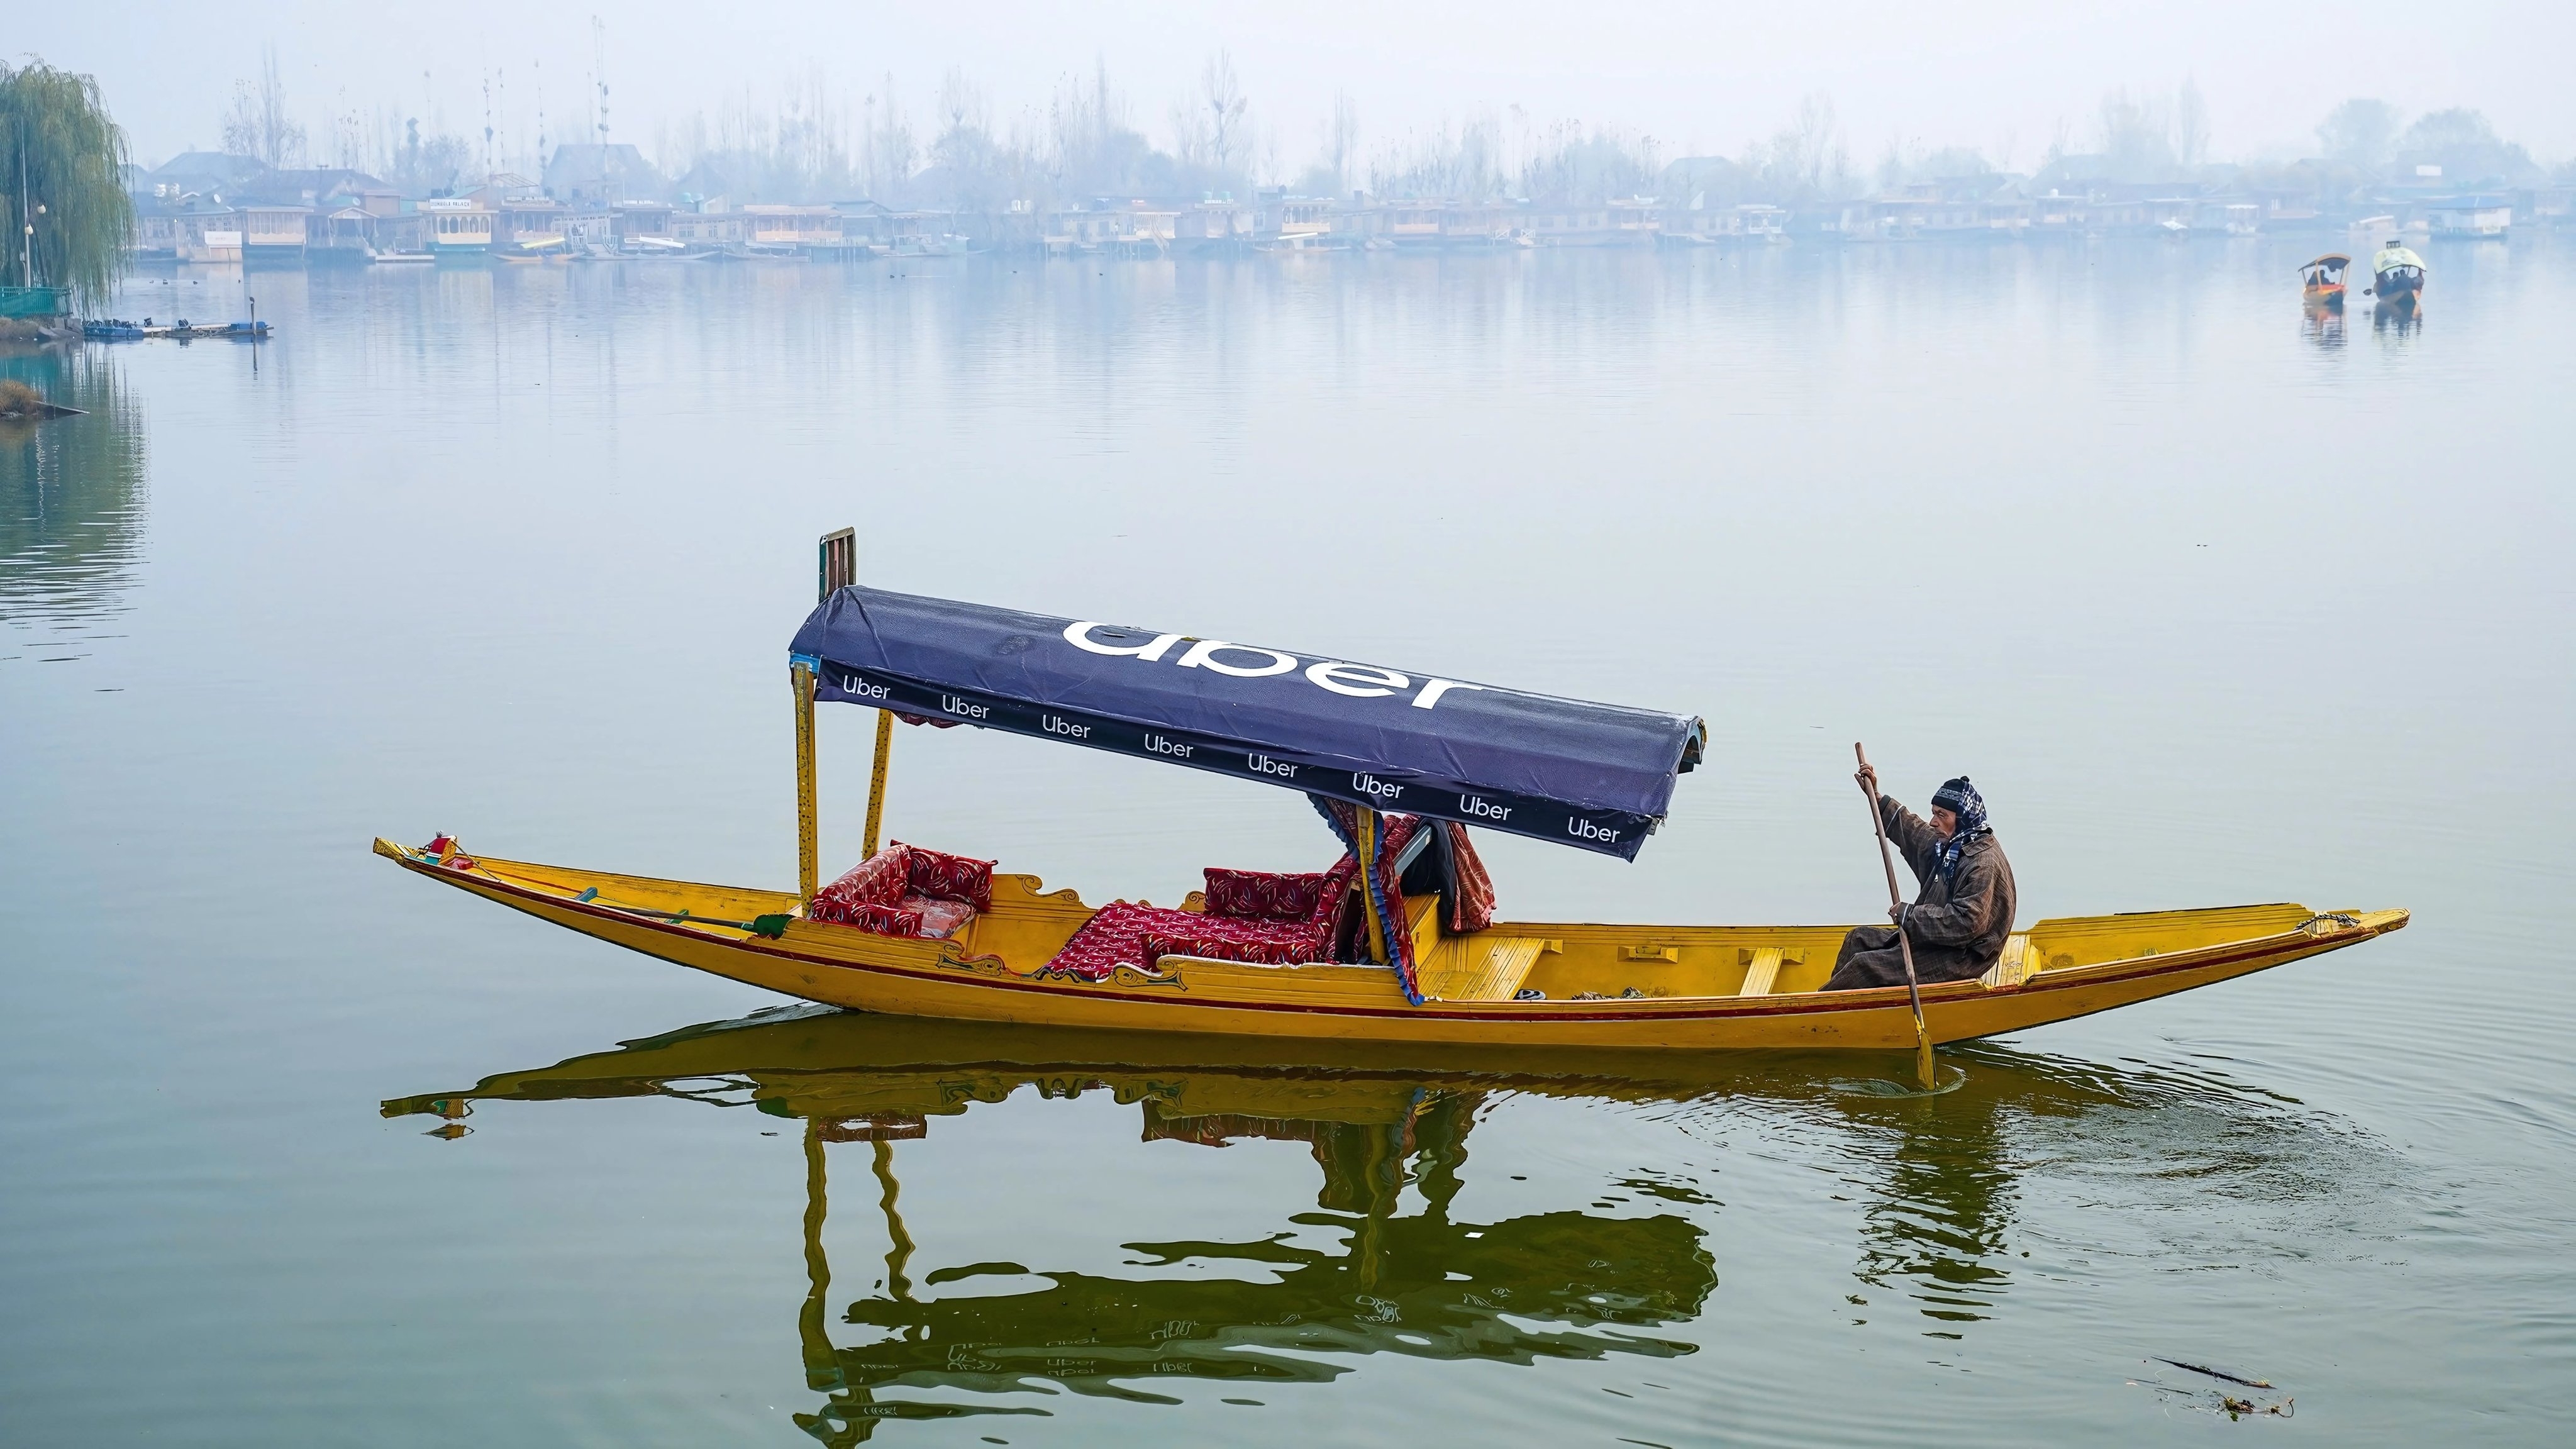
{"x":2470,"y":216}
{"x":276,"y":233}
{"x":458,"y":229}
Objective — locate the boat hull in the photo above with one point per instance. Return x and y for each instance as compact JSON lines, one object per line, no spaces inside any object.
{"x":996,"y":975}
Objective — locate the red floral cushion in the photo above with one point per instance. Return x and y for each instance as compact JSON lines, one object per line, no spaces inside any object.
{"x":1125,"y":934}
{"x":878,"y":880}
{"x":950,"y":877}
{"x":939,"y":919}
{"x":1265,"y":895}
{"x":1285,"y":950}
{"x":867,"y":916}
{"x":1110,"y":939}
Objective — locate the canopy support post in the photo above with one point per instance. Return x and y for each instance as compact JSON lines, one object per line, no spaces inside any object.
{"x":836,"y":563}
{"x":809,"y":849}
{"x":877,"y":779}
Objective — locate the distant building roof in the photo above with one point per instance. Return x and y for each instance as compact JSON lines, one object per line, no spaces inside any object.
{"x":220,"y":165}
{"x":313,"y":183}
{"x":595,"y":172}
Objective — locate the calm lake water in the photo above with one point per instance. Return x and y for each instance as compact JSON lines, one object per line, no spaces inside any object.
{"x":2215,"y":605}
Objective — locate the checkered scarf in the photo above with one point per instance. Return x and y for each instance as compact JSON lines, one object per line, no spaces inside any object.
{"x":1961,"y":799}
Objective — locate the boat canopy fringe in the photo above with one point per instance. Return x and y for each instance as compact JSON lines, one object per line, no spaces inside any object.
{"x":1596,"y":776}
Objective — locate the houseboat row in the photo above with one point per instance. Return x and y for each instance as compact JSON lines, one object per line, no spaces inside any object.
{"x":512,"y":220}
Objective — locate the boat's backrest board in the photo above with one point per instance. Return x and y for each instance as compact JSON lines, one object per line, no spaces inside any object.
{"x":1027,"y":923}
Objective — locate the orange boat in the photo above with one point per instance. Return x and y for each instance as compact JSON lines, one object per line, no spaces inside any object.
{"x":2322,"y":281}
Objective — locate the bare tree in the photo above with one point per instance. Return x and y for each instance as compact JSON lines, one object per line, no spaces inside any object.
{"x":1222,"y":95}
{"x":2191,"y":124}
{"x":1806,"y":157}
{"x":257,"y":125}
{"x":886,"y":154}
{"x":961,"y":104}
{"x":1342,"y":140}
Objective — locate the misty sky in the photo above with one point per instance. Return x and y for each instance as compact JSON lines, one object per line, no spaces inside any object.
{"x":2000,"y":75}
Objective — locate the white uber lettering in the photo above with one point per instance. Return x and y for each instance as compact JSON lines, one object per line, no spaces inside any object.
{"x":857,"y":688}
{"x":1479,"y":805}
{"x":1375,"y":788}
{"x":1079,"y":636}
{"x":962,"y":708}
{"x":1056,"y":724}
{"x":1264,"y":765}
{"x":1359,"y":681}
{"x":1202,"y":655}
{"x":1432,"y":689}
{"x":1586,"y":830}
{"x":1157,"y":745}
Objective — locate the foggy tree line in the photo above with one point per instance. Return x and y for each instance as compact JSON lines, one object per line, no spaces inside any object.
{"x":812,"y":140}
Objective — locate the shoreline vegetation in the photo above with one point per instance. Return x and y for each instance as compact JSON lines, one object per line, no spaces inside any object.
{"x":816,"y":177}
{"x":69,"y":219}
{"x":819,"y":172}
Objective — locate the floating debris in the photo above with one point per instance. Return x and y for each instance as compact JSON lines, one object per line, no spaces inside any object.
{"x":2209,"y":1372}
{"x":2219,"y":1401}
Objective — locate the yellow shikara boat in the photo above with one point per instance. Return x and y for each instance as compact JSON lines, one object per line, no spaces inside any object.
{"x":1394,"y":944}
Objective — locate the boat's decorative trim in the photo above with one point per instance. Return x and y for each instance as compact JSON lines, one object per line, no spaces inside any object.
{"x":1724,"y":1007}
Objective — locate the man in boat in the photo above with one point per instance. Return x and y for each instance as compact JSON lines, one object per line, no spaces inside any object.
{"x":1959,"y":922}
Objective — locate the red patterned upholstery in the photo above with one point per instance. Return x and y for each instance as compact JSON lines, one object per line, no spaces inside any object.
{"x":904,"y":890}
{"x":1262,"y":895}
{"x":1472,"y":906}
{"x":950,"y":877}
{"x":867,"y":916}
{"x":1123,"y":933}
{"x":1290,"y":948}
{"x":938,"y":919}
{"x":879,"y":880}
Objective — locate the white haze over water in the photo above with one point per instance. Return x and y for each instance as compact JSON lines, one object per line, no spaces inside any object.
{"x":2004,"y":76}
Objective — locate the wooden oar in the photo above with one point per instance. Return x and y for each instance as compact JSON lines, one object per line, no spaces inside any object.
{"x":1895,"y":901}
{"x":772,"y":927}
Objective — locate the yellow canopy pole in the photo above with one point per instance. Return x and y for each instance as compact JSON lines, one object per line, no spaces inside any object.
{"x":836,"y":563}
{"x":809,"y":847}
{"x":876,"y":780}
{"x":1364,"y":831}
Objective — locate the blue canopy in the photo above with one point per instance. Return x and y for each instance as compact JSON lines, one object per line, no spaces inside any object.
{"x":1592,"y":775}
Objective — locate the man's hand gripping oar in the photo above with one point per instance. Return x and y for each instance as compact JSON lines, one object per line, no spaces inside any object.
{"x":1896,"y":910}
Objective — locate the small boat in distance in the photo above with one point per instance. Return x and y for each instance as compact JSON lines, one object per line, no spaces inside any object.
{"x":536,"y":249}
{"x":2397,"y":278}
{"x":1397,"y":941}
{"x":2322,"y":281}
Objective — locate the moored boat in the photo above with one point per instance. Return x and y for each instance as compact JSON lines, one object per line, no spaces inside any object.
{"x":2321,"y":281}
{"x":115,"y":329}
{"x":1393,"y":942}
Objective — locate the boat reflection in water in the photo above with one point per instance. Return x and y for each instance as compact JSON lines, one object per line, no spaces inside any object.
{"x":2401,"y":315}
{"x":1943,"y":1182}
{"x":1423,"y":1284}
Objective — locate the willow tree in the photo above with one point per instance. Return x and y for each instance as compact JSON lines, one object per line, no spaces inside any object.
{"x":62,"y":183}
